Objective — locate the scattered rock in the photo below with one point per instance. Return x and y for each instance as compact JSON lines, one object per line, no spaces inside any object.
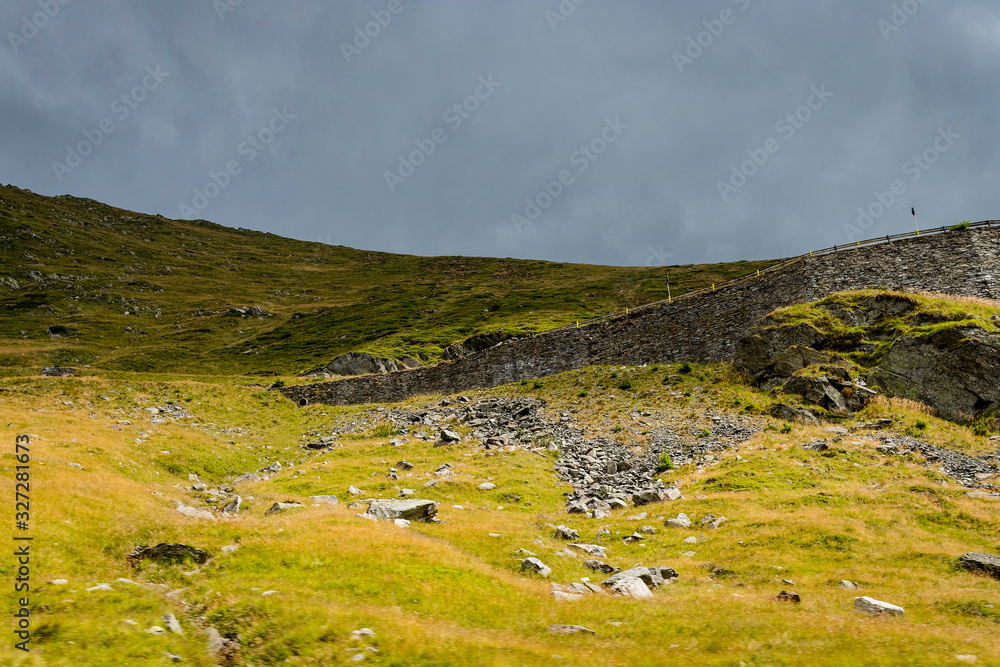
{"x":565,"y":533}
{"x":156,"y":630}
{"x":789,"y":596}
{"x":354,"y":491}
{"x":848,"y":585}
{"x":324,"y":500}
{"x":402,"y":523}
{"x":637,"y":581}
{"x":560,"y":629}
{"x":448,"y":436}
{"x":816,"y":446}
{"x":233,"y":506}
{"x":680,"y":521}
{"x":173,"y":624}
{"x":591,"y":549}
{"x":487,"y":486}
{"x":101,"y":587}
{"x":412,"y":510}
{"x":601,"y":567}
{"x":281,"y":507}
{"x":536,"y":566}
{"x":247,"y":477}
{"x":194,"y":512}
{"x":362,"y":633}
{"x":872,"y":606}
{"x":404,"y":465}
{"x":982,"y":563}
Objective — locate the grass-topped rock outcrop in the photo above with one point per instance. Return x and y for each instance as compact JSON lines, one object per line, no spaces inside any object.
{"x":837,"y":352}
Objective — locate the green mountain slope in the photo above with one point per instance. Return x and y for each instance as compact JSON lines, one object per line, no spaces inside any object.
{"x":83,"y":283}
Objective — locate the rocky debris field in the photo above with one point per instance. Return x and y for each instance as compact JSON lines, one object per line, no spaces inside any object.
{"x":606,"y":474}
{"x":963,"y":469}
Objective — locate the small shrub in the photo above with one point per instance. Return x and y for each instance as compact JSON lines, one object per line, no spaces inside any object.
{"x":685,"y":369}
{"x":704,"y":433}
{"x":920,"y":425}
{"x":961,"y":226}
{"x":787,"y":428}
{"x":614,"y":374}
{"x":625,"y":385}
{"x":617,"y":429}
{"x":537,"y":385}
{"x":654,"y":368}
{"x":582,"y":394}
{"x":664,"y":463}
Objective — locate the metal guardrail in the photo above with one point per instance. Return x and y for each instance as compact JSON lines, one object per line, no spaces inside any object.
{"x":778,"y":267}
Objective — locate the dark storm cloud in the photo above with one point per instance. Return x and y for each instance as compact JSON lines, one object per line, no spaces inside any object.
{"x":643,"y":132}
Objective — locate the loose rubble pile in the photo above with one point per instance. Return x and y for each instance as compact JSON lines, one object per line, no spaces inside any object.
{"x":607,"y":475}
{"x":961,"y":468}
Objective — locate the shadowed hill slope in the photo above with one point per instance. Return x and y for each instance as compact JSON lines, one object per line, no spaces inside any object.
{"x":86,"y":283}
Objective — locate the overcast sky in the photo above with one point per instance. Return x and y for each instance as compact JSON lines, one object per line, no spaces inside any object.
{"x":632,"y":132}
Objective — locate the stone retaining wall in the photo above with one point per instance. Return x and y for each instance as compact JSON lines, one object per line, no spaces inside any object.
{"x":699,"y":327}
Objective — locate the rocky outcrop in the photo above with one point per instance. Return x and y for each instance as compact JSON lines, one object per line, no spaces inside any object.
{"x":956,"y":370}
{"x":852,"y":345}
{"x":361,"y":363}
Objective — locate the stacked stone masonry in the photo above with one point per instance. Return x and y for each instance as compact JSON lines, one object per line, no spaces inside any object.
{"x":701,"y":327}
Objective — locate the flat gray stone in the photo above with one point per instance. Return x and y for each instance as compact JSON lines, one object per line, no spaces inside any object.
{"x":409,"y":509}
{"x":560,"y":629}
{"x":592,"y":549}
{"x":281,"y":507}
{"x":873,"y":606}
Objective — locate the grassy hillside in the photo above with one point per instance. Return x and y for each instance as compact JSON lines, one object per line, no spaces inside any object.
{"x":138,"y":292}
{"x":452,"y":593}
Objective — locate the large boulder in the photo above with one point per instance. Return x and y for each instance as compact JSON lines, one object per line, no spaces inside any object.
{"x":982,"y":563}
{"x":411,"y":510}
{"x":475,"y":344}
{"x":360,"y":363}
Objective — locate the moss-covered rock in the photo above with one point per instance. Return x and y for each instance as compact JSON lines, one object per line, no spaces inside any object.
{"x":940,"y":351}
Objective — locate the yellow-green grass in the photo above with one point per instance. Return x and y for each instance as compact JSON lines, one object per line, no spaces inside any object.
{"x":449,"y":593}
